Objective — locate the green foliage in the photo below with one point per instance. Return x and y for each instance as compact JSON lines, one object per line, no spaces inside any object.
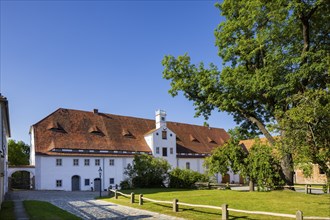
{"x":184,"y":178}
{"x":125,"y":184}
{"x":262,"y":167}
{"x":271,"y":51}
{"x":147,"y":171}
{"x":18,"y":153}
{"x":259,"y":164}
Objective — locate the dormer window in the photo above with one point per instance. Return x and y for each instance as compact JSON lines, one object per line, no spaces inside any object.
{"x":164,"y":134}
{"x":126,"y":133}
{"x":193,"y":139}
{"x":95,"y":130}
{"x":55,"y":126}
{"x":211,"y":141}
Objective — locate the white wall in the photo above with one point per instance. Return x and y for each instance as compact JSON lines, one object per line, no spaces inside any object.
{"x":47,"y":172}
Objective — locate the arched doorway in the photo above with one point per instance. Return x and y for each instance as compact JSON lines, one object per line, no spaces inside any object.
{"x":97,"y":184}
{"x":75,"y":183}
{"x":226,"y":178}
{"x":21,"y":180}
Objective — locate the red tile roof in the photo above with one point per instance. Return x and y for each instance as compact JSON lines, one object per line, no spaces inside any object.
{"x":82,"y":130}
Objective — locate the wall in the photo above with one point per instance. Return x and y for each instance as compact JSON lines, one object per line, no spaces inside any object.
{"x":47,"y":172}
{"x":316,"y":177}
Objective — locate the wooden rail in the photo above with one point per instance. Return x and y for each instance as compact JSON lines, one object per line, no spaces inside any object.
{"x":224,"y":208}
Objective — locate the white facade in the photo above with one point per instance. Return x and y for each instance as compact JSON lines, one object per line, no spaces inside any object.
{"x":51,"y":174}
{"x":4,"y":135}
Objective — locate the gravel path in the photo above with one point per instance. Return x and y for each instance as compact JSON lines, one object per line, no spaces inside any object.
{"x":84,"y":205}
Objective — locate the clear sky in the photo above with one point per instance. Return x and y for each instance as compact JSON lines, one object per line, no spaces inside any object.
{"x":101,"y":54}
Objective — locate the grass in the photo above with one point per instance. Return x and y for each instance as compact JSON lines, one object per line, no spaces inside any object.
{"x":39,"y":210}
{"x":7,"y":210}
{"x":286,"y":202}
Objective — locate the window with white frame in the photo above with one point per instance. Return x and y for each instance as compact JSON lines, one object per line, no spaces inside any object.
{"x":87,"y":182}
{"x":171,"y":150}
{"x":58,"y":162}
{"x":157,"y":150}
{"x":112,"y":181}
{"x":97,"y":162}
{"x":111,"y":162}
{"x":187,"y":165}
{"x":86,"y":162}
{"x":75,"y":162}
{"x":58,"y":183}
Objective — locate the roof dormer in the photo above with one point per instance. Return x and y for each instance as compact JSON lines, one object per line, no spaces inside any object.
{"x":55,"y":126}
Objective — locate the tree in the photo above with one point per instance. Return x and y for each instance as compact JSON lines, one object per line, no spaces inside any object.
{"x":259,"y":165}
{"x":18,"y":153}
{"x":271,"y":51}
{"x":147,"y":171}
{"x":307,"y":129}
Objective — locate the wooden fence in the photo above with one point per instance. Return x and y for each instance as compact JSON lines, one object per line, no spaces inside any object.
{"x":224,"y":208}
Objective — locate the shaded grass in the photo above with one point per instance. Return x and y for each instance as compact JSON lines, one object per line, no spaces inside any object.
{"x":7,"y":210}
{"x":39,"y":210}
{"x":286,"y":202}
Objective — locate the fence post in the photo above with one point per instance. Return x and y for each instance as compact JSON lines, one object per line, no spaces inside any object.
{"x":175,"y":205}
{"x":116,"y":195}
{"x":132,"y":197}
{"x":310,"y":189}
{"x":306,"y":189}
{"x":224,"y":212}
{"x":299,"y":215}
{"x":140,"y":199}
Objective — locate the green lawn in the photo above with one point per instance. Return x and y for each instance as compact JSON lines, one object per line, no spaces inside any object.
{"x":287,"y":202}
{"x":7,"y":210}
{"x":39,"y":210}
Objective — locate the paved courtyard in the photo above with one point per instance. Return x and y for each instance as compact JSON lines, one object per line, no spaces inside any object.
{"x":84,"y":205}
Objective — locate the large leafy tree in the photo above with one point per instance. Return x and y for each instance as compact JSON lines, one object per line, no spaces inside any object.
{"x":18,"y":153}
{"x":271,"y":51}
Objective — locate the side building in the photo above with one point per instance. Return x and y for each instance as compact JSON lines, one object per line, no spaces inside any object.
{"x":68,"y":147}
{"x":5,"y":134}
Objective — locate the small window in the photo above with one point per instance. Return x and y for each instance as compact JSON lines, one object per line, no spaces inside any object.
{"x":58,"y":162}
{"x":97,"y":162}
{"x":171,"y":150}
{"x":87,"y":182}
{"x":86,"y":162}
{"x":157,"y":150}
{"x":164,"y":152}
{"x":112,"y":180}
{"x":164,"y":134}
{"x":75,"y":162}
{"x":58,"y":183}
{"x":321,"y":171}
{"x":111,"y":162}
{"x":188,"y":166}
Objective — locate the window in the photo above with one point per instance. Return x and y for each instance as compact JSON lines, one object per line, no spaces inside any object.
{"x":97,"y":162}
{"x":164,"y":134}
{"x":164,"y":152}
{"x":87,"y":182}
{"x":58,"y":183}
{"x":86,"y":162}
{"x":58,"y":162}
{"x":111,"y":162}
{"x":321,"y":171}
{"x":188,"y":166}
{"x":171,"y":150}
{"x":157,"y":150}
{"x":112,"y":180}
{"x":75,"y":162}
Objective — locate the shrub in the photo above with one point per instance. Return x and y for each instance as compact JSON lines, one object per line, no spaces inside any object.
{"x":183,"y":178}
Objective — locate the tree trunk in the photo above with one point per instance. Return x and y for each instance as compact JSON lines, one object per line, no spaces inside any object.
{"x":251,"y":186}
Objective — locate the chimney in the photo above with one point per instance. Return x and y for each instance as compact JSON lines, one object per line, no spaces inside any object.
{"x":96,"y":111}
{"x":160,"y":118}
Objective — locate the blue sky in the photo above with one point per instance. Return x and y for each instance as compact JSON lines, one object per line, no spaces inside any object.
{"x":101,"y":54}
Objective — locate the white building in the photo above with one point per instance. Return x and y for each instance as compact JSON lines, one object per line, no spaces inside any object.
{"x":4,"y":135}
{"x":69,"y":146}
